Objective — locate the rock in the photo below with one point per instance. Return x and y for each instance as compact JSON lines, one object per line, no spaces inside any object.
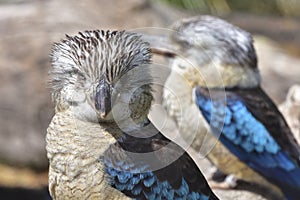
{"x":278,"y":69}
{"x":290,"y":108}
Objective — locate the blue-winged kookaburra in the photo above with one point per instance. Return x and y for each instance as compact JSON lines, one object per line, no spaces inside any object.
{"x":100,"y":143}
{"x":215,"y":79}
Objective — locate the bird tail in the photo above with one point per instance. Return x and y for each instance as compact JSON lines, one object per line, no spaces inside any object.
{"x":290,"y":184}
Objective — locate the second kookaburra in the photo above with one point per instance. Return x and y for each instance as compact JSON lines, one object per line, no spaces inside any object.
{"x":215,"y":80}
{"x":100,"y":143}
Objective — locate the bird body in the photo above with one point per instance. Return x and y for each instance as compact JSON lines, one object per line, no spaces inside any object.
{"x":178,"y":99}
{"x":100,"y":143}
{"x":194,"y":129}
{"x":218,"y":64}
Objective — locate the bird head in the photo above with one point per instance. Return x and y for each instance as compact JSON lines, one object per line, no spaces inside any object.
{"x":211,"y":52}
{"x":101,"y":73}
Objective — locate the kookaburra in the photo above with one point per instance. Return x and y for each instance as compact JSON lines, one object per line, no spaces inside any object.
{"x":100,"y":143}
{"x":215,"y":80}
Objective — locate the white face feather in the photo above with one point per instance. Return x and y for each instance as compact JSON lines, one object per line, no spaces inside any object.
{"x":214,"y":74}
{"x":79,"y":62}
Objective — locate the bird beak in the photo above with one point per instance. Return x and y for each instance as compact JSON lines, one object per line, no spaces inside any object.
{"x":103,"y":98}
{"x":160,"y":45}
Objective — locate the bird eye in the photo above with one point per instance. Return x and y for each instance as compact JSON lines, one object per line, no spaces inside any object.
{"x":181,"y":66}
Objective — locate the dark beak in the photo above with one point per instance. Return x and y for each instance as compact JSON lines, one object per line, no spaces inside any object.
{"x":103,"y":97}
{"x":160,"y":45}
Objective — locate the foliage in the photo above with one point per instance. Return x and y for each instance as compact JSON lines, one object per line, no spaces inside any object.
{"x":273,"y":7}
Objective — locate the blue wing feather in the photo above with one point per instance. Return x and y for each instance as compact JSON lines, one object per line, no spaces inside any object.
{"x":147,"y":186}
{"x":135,"y":178}
{"x":250,"y":140}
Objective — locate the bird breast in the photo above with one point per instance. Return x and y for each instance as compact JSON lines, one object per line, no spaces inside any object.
{"x":73,"y":149}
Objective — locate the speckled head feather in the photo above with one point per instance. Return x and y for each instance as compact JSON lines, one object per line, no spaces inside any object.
{"x":79,"y":62}
{"x":221,"y":37}
{"x":214,"y":44}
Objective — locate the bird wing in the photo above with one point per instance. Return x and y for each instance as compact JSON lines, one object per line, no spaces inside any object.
{"x":253,"y":129}
{"x":141,"y":168}
{"x":266,"y":112}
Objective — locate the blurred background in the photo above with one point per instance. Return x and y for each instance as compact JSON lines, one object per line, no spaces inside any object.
{"x":29,"y":27}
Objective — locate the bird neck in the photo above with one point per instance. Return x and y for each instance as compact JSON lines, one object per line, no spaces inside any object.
{"x":118,"y":130}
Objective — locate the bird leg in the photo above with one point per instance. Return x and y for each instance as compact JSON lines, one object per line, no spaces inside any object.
{"x":219,"y":180}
